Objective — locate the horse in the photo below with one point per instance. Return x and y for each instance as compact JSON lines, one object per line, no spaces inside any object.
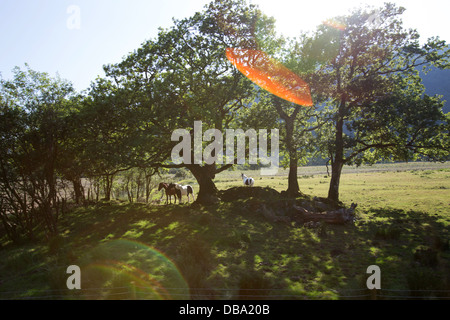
{"x":172,"y":186}
{"x":247,"y":181}
{"x":185,"y":190}
{"x":170,"y":191}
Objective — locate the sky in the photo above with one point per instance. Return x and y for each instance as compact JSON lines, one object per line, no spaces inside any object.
{"x":75,"y":38}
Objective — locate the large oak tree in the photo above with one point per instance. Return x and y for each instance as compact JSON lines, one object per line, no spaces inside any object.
{"x":367,"y":75}
{"x":183,"y":76}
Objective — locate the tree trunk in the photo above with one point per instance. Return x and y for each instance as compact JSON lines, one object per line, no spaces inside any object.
{"x":336,"y":170}
{"x":208,"y":191}
{"x":129,"y":194}
{"x":293,"y":187}
{"x":338,"y":162}
{"x":108,"y":186}
{"x":78,"y":190}
{"x":148,"y":180}
{"x":138,"y":188}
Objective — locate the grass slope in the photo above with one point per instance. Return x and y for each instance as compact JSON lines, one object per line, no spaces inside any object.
{"x":128,"y":251}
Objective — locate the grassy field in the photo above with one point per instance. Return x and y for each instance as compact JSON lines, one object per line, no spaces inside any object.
{"x":423,"y":187}
{"x":228,"y":251}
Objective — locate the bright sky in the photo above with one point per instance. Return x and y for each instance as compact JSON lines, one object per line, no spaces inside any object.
{"x":75,"y":38}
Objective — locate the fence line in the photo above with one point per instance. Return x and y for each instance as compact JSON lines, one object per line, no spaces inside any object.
{"x":134,"y":290}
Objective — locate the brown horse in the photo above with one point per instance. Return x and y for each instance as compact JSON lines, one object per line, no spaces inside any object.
{"x":170,"y":191}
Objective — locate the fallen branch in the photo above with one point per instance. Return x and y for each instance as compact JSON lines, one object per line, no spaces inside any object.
{"x":339,"y":216}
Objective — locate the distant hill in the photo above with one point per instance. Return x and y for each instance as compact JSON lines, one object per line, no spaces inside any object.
{"x":438,"y":82}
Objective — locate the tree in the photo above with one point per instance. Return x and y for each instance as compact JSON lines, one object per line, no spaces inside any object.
{"x":72,"y":162}
{"x":183,"y":76}
{"x":32,"y":129}
{"x":367,"y":77}
{"x":296,"y":121}
{"x":297,"y":138}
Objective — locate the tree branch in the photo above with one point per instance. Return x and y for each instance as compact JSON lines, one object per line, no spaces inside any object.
{"x":224,"y":167}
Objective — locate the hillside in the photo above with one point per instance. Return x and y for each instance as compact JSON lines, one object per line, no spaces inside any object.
{"x":438,"y":82}
{"x":234,"y":250}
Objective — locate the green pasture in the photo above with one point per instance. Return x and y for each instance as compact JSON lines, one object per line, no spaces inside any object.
{"x":229,"y":251}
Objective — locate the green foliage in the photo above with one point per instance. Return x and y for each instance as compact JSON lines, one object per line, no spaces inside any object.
{"x":367,"y":77}
{"x":34,"y":109}
{"x":178,"y":78}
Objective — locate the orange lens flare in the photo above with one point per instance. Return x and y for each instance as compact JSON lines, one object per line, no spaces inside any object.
{"x":270,"y":75}
{"x":334,"y":24}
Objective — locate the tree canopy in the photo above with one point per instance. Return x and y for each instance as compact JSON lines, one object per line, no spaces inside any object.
{"x":367,"y":77}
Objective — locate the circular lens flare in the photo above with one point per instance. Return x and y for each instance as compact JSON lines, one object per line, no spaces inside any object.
{"x":126,"y":269}
{"x":270,"y":75}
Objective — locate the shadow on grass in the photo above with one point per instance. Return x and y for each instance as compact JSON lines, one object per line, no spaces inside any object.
{"x":412,"y":250}
{"x":228,"y":251}
{"x":330,"y":261}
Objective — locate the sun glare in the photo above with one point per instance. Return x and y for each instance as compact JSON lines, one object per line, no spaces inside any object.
{"x":293,"y":17}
